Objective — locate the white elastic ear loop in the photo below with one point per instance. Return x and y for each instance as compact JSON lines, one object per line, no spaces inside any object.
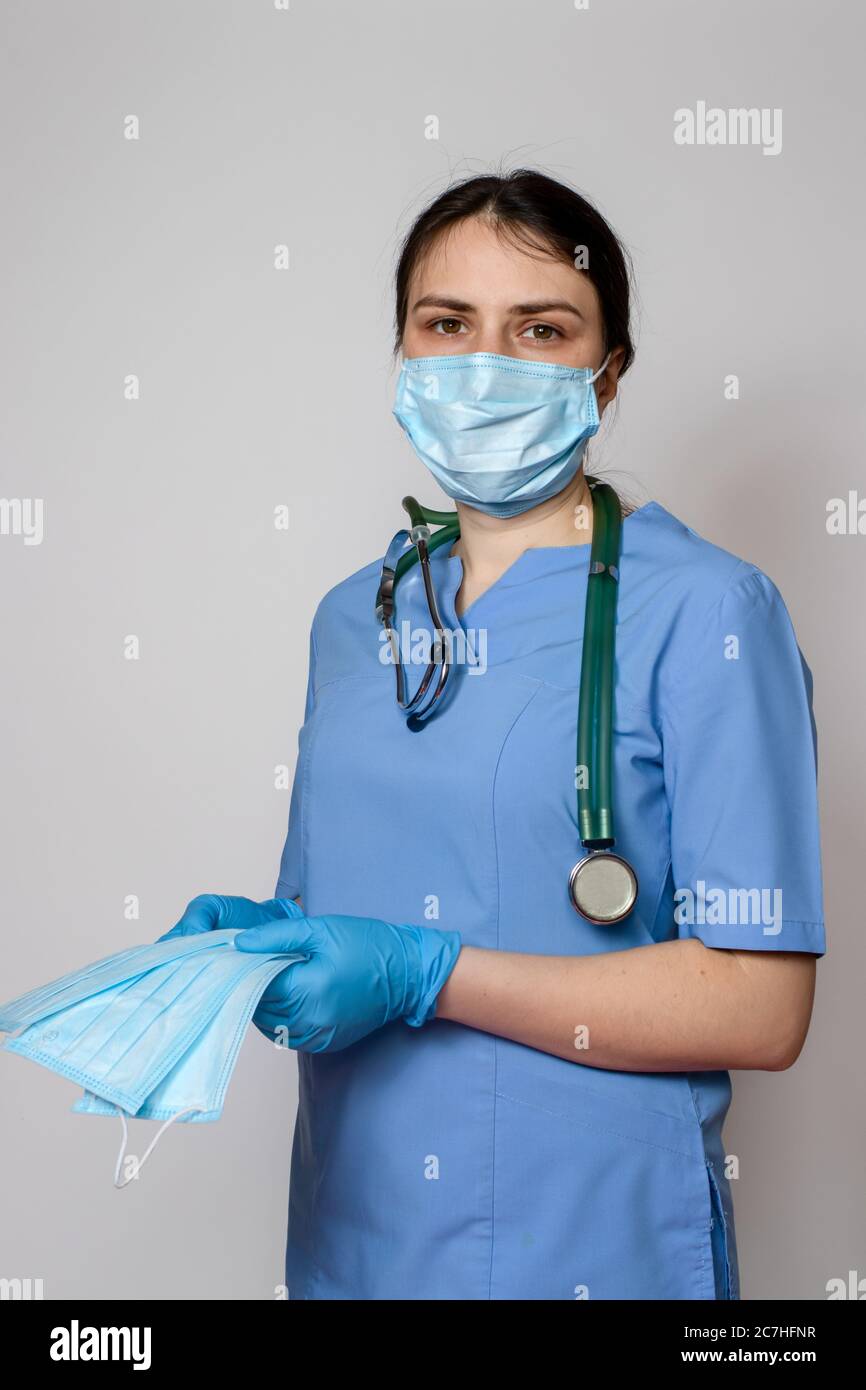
{"x":190,"y":1110}
{"x":597,"y":374}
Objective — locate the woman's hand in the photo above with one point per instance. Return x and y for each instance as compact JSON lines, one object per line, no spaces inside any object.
{"x":213,"y":912}
{"x":361,"y":974}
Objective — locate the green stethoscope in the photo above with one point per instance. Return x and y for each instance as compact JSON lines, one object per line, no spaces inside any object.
{"x":602,"y":885}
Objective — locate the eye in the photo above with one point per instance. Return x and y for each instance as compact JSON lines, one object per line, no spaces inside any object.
{"x":542,"y":332}
{"x":450,"y":327}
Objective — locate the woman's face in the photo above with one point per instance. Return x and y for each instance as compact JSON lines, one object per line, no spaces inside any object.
{"x":476,"y":292}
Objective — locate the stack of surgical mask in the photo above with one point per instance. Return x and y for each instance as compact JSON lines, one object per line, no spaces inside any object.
{"x":152,"y":1032}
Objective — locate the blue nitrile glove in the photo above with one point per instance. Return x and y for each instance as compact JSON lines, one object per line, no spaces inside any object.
{"x":213,"y":912}
{"x":360,"y":975}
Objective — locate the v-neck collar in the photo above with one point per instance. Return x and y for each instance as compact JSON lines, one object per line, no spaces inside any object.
{"x":447,"y":569}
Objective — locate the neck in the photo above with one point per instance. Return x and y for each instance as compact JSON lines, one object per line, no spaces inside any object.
{"x":490,"y":544}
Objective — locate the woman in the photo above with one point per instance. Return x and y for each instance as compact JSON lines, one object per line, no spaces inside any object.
{"x":548,"y":1125}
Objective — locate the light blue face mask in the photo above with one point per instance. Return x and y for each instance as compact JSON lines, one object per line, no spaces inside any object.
{"x":103,"y":974}
{"x":196,"y":1085}
{"x":194,"y":1090}
{"x":160,"y":1043}
{"x":499,"y":433}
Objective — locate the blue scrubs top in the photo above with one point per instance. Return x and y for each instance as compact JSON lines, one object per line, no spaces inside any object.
{"x":444,"y":1162}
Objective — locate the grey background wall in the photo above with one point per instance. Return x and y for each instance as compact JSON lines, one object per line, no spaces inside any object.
{"x":305,"y":126}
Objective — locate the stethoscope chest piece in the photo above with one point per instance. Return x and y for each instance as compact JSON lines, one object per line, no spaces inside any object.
{"x":603,"y":887}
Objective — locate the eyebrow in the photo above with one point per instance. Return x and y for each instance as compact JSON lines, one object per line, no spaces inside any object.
{"x":461,"y":306}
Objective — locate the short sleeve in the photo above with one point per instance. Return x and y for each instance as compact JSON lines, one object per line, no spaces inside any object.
{"x":740,"y":762}
{"x":289,"y":881}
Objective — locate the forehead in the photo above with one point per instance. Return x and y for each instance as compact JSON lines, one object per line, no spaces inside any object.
{"x":473,"y":261}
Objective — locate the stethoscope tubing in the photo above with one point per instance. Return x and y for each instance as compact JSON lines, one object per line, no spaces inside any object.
{"x":595,"y":712}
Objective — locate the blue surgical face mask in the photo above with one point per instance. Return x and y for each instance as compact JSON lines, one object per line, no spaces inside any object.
{"x":155,"y":1031}
{"x":121,"y":1042}
{"x":104,"y":975}
{"x":195,"y":1087}
{"x":499,"y":433}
